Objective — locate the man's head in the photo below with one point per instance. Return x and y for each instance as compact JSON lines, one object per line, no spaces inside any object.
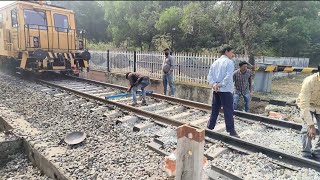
{"x":228,"y":51}
{"x":127,"y":74}
{"x":243,"y":66}
{"x":166,"y":51}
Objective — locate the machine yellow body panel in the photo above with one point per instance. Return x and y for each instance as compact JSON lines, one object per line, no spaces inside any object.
{"x":40,"y":36}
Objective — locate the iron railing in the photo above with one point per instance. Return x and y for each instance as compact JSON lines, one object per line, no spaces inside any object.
{"x":188,"y":67}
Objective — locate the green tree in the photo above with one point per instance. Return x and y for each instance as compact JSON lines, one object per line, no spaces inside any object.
{"x":249,"y":16}
{"x":89,"y":15}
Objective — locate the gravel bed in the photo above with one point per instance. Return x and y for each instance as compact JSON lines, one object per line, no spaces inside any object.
{"x":157,"y":108}
{"x":20,"y":168}
{"x":286,"y":140}
{"x":169,"y":141}
{"x":8,"y":137}
{"x":109,"y":152}
{"x":258,"y":166}
{"x":291,"y":113}
{"x":196,"y":116}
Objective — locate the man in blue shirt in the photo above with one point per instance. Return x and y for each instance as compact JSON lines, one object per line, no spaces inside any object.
{"x":220,"y":77}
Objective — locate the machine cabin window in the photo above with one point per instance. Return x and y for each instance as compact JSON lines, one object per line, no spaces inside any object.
{"x":61,"y":23}
{"x":35,"y":20}
{"x":14,"y":18}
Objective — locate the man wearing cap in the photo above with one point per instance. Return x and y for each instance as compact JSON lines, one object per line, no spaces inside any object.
{"x":137,"y":80}
{"x":242,"y":79}
{"x":309,"y":103}
{"x":167,"y":72}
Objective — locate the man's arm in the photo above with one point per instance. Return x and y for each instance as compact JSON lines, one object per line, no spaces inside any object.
{"x":171,"y":64}
{"x":250,"y":81}
{"x":228,"y":77}
{"x":304,"y":102}
{"x":130,"y":78}
{"x":211,"y":78}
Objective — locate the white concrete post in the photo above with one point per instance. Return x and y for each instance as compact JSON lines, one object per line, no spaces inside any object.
{"x":190,"y":151}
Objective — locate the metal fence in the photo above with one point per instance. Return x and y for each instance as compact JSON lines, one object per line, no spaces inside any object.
{"x":189,"y":67}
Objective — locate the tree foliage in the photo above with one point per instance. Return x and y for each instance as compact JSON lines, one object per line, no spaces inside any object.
{"x":270,"y":28}
{"x":89,"y":16}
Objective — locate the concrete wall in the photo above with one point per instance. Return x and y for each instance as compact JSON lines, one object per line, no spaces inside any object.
{"x":192,"y":92}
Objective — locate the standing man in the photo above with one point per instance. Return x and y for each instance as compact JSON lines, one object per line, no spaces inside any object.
{"x":309,"y":103}
{"x":242,"y":80}
{"x":167,"y":72}
{"x":220,"y":78}
{"x":137,"y":81}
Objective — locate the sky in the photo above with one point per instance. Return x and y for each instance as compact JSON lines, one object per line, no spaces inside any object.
{"x":4,"y":3}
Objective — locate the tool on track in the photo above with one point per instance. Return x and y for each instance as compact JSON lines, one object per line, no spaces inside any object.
{"x":126,"y":94}
{"x":75,"y":137}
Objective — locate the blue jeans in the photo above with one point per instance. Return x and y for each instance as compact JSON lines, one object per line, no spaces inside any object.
{"x":224,"y":99}
{"x":306,"y":140}
{"x":246,"y":98}
{"x":168,"y":79}
{"x":142,"y":85}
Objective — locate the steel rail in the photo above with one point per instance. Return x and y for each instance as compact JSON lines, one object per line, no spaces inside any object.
{"x":281,"y":156}
{"x":252,"y":147}
{"x":273,"y":102}
{"x":206,"y":107}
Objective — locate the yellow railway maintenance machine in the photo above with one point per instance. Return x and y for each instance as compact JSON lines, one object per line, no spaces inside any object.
{"x":39,"y":37}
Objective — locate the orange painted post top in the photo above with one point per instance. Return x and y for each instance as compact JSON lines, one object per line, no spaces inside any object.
{"x":191,"y":132}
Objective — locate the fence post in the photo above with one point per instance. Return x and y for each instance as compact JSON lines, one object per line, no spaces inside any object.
{"x":190,"y":151}
{"x":151,"y":67}
{"x":108,"y":60}
{"x":134,"y":61}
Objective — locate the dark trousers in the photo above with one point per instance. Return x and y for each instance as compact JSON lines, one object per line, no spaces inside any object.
{"x":226,"y":100}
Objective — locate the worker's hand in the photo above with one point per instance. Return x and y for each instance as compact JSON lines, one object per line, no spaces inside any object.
{"x":129,"y":89}
{"x":311,"y":132}
{"x":215,"y":88}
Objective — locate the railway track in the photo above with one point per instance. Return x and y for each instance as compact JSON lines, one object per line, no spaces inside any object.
{"x":181,"y":111}
{"x":163,"y":134}
{"x":275,"y":102}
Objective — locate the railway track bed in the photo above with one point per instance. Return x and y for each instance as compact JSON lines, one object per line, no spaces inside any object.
{"x":284,"y":139}
{"x":118,"y":127}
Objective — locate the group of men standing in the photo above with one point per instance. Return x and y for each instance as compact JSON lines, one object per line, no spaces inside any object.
{"x":229,"y":85}
{"x":139,"y":81}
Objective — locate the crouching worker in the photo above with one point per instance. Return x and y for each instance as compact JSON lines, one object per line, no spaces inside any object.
{"x":137,"y":81}
{"x":309,"y":103}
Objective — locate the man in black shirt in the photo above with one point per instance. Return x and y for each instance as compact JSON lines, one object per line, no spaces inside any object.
{"x":137,"y":80}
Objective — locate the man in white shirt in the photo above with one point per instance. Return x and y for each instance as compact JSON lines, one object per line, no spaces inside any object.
{"x":220,"y":77}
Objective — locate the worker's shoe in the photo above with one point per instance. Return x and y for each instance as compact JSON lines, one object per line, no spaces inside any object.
{"x":316,"y":158}
{"x":307,"y":156}
{"x":234,"y":134}
{"x":133,"y":104}
{"x":144,"y":103}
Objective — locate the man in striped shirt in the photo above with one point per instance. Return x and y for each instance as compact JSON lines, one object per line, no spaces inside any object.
{"x":242,"y":81}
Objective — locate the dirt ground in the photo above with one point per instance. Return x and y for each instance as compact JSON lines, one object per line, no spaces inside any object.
{"x":283,"y":88}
